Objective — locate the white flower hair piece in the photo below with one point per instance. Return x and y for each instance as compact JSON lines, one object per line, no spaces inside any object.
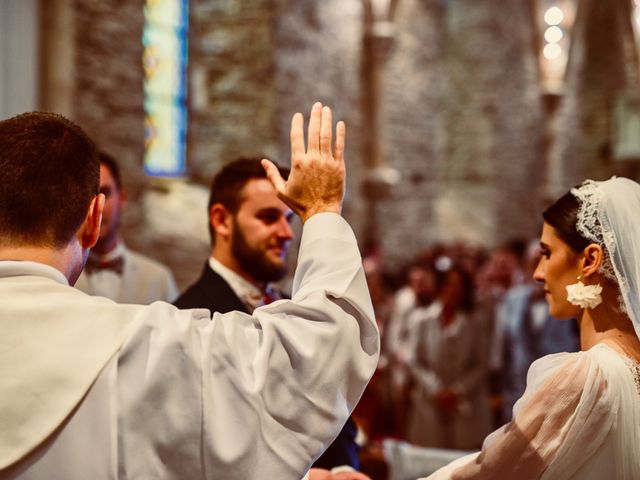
{"x":584,"y":296}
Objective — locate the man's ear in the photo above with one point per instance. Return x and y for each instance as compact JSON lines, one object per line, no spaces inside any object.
{"x":220,"y":220}
{"x":593,"y":256}
{"x":90,"y":230}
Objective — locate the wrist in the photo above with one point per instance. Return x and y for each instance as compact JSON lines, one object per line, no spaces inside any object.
{"x":330,"y":208}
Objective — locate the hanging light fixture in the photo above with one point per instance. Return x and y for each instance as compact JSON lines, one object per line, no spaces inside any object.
{"x":556,"y":20}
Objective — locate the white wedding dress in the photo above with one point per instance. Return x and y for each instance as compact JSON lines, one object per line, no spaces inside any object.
{"x":578,"y":419}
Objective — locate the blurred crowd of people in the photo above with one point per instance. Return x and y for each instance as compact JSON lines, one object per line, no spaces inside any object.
{"x":460,"y":326}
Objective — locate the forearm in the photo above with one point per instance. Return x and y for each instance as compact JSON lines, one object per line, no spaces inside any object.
{"x":334,"y":323}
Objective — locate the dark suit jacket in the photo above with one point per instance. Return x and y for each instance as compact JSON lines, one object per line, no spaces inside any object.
{"x":213,"y":292}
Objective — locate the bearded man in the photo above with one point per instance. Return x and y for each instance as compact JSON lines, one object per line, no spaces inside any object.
{"x":250,"y":236}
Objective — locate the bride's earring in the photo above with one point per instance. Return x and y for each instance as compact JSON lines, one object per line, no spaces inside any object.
{"x":584,"y":296}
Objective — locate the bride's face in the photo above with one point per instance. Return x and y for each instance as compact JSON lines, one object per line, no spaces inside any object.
{"x":559,"y":266}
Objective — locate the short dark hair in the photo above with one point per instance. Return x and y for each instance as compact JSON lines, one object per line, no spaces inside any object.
{"x":229,"y":182}
{"x":111,"y":164}
{"x":562,"y":215}
{"x":50,"y":174}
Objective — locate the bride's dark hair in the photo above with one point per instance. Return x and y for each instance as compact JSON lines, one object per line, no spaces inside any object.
{"x":562,"y":215}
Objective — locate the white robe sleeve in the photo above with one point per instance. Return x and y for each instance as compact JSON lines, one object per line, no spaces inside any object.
{"x":562,"y":419}
{"x":260,"y":396}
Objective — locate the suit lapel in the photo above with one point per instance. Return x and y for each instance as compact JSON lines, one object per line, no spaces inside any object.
{"x":219,"y":295}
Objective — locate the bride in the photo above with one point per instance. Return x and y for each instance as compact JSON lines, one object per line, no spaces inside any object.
{"x":580,"y":415}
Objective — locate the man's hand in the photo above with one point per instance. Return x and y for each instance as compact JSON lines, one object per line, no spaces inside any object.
{"x":316,"y":181}
{"x":321,"y":474}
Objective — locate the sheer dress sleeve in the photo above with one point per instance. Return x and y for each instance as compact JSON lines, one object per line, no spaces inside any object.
{"x":562,"y":419}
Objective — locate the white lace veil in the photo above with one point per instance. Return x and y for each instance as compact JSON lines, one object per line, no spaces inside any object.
{"x":609,"y":215}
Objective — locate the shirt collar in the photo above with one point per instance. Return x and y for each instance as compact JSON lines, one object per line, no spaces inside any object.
{"x":17,"y":268}
{"x":240,"y":286}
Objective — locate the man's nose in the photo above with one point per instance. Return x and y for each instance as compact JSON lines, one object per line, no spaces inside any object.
{"x":285,"y":232}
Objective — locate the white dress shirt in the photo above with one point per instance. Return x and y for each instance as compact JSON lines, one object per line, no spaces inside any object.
{"x":93,"y":389}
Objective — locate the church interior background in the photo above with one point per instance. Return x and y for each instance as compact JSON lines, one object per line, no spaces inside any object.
{"x":464,"y":117}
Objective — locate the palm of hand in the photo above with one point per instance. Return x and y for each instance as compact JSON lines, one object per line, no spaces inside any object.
{"x":316,"y":181}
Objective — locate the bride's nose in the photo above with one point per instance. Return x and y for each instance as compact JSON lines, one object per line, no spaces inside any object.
{"x":538,"y":273}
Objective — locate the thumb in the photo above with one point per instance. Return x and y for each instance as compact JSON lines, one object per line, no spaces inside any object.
{"x":273,"y":174}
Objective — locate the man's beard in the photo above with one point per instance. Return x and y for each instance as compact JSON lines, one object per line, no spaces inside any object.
{"x":255,"y":262}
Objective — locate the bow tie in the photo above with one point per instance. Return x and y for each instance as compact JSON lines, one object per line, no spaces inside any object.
{"x":96,"y":265}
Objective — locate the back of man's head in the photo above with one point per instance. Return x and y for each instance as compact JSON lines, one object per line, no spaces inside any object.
{"x":49,"y":173}
{"x":227,"y":185}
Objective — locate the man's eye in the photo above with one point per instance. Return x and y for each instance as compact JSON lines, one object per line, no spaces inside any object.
{"x":268,"y":219}
{"x":545,"y":253}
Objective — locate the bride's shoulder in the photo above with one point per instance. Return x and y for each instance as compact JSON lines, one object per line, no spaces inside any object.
{"x":596,"y":368}
{"x":600,"y":355}
{"x":553,"y":364}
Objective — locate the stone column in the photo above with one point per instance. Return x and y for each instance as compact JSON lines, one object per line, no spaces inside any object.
{"x":379,"y":179}
{"x":57,"y":60}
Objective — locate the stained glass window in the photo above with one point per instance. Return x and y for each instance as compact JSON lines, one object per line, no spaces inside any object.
{"x":165,"y":71}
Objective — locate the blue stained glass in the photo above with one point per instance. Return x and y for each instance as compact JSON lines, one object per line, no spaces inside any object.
{"x":165,"y":68}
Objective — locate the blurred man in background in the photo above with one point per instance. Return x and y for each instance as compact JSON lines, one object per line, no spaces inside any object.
{"x":112,"y":270}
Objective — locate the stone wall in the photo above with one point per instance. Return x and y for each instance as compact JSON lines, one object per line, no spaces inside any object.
{"x":233,"y":91}
{"x":310,"y":68}
{"x":490,"y":163}
{"x":461,"y":151}
{"x":108,"y":96}
{"x":318,"y":59}
{"x":411,"y":129}
{"x":460,"y":110}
